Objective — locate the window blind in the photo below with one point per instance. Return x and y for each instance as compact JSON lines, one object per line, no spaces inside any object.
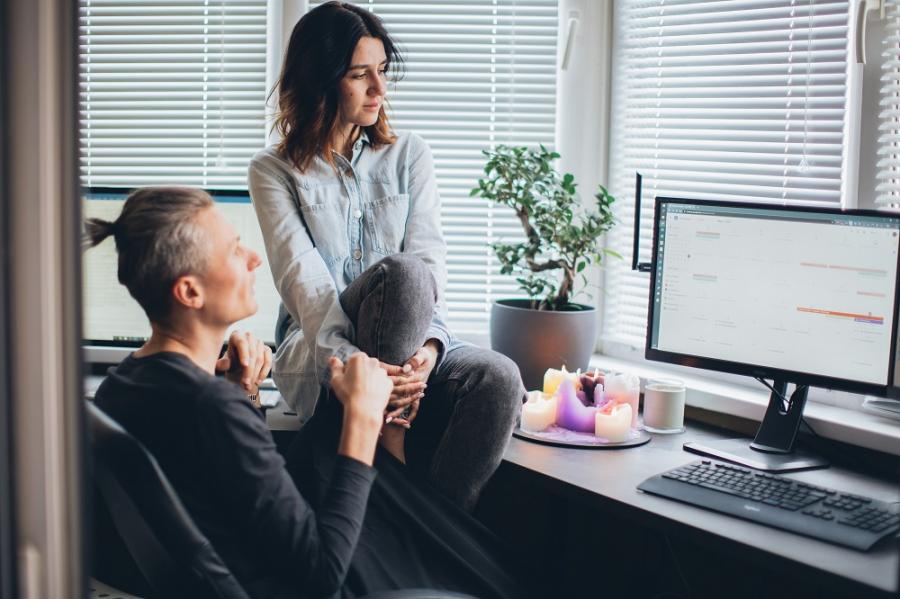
{"x":739,"y":100}
{"x":888,"y":188}
{"x":171,"y":92}
{"x":478,"y":74}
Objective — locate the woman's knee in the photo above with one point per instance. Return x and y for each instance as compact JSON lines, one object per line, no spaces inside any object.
{"x":408,"y":270}
{"x":504,"y":381}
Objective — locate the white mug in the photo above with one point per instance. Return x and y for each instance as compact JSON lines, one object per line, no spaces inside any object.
{"x":664,"y":406}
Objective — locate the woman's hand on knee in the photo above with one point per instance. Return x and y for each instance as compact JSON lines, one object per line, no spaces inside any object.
{"x":410,"y":380}
{"x":407,"y":388}
{"x":423,"y":361}
{"x":404,"y":416}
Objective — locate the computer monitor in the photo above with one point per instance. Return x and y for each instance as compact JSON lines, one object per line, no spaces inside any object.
{"x":113,"y":323}
{"x":797,"y":295}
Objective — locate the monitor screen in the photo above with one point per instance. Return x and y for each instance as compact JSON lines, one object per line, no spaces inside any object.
{"x":807,"y":294}
{"x":112,"y":317}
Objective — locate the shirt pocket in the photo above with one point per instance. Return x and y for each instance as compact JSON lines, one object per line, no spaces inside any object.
{"x":327,"y":225}
{"x":386,"y":223}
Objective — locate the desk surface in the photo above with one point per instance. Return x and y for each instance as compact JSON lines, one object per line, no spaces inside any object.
{"x":608,"y":479}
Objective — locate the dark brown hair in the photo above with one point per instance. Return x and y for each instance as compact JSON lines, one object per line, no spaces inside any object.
{"x":317,"y":58}
{"x":158,"y":240}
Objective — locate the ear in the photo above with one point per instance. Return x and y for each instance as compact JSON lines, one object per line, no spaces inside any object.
{"x":188,"y":292}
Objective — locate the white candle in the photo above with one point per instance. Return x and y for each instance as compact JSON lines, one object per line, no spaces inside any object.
{"x":615,"y":426}
{"x":539,"y":412}
{"x":554,"y":378}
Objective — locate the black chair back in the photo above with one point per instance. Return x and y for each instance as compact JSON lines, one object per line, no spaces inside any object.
{"x":172,"y":555}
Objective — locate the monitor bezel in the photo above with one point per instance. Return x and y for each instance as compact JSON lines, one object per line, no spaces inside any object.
{"x":112,"y":351}
{"x":761,"y":371}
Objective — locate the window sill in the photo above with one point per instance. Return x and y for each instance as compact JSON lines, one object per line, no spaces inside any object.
{"x":837,"y":422}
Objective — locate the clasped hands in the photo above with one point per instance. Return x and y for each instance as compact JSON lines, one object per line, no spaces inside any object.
{"x":246,"y":361}
{"x":409,"y":383}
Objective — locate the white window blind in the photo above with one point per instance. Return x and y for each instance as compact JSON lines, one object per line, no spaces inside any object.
{"x":888,"y":188}
{"x":478,"y":74}
{"x":171,"y":92}
{"x":739,"y":100}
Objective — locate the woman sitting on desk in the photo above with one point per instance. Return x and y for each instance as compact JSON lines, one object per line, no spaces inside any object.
{"x":185,"y":265}
{"x":350,"y":214}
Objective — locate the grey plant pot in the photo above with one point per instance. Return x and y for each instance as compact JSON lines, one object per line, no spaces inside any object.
{"x":538,"y":339}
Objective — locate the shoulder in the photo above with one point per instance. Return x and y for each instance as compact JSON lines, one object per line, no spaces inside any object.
{"x":410,"y":142}
{"x":270,"y":158}
{"x":271,"y":164}
{"x":408,"y":151}
{"x":161,"y":379}
{"x":218,"y":390}
{"x":163,"y":369}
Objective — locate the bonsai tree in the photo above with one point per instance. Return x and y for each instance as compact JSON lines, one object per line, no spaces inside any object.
{"x":559,"y":235}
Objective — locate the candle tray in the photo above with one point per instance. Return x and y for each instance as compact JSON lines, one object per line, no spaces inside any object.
{"x":561,"y":437}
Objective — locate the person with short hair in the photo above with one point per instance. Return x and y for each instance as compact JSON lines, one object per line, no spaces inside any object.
{"x":350,"y":214}
{"x":185,"y":265}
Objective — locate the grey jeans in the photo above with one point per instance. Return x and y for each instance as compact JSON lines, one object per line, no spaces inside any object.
{"x":473,"y":397}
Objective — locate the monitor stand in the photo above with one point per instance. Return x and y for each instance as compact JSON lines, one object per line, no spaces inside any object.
{"x":773,"y":448}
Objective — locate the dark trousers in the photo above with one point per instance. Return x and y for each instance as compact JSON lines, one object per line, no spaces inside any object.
{"x":473,"y":397}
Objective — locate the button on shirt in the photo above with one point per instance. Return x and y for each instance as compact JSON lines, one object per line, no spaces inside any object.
{"x":378,"y":203}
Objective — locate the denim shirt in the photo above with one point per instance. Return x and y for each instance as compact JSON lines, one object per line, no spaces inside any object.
{"x":378,"y":203}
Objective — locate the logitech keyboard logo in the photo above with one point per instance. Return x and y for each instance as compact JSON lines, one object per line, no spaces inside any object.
{"x":752,"y":508}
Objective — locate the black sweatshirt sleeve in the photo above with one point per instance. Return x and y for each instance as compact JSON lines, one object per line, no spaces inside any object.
{"x":312,"y":551}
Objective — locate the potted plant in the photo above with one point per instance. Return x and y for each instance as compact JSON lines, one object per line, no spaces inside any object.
{"x":561,"y":240}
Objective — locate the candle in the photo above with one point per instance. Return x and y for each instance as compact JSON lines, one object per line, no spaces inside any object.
{"x":570,"y":412}
{"x":553,"y":378}
{"x":613,"y":425}
{"x":625,"y":388}
{"x":589,"y":380}
{"x":538,"y":412}
{"x":600,"y":398}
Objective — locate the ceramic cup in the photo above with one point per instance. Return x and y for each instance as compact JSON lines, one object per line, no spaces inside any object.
{"x":664,"y":406}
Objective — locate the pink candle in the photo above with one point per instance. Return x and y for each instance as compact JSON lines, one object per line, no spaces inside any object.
{"x":625,"y":388}
{"x":600,"y":398}
{"x":571,"y":413}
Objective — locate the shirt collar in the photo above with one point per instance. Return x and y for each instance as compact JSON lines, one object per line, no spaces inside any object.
{"x":363,"y":139}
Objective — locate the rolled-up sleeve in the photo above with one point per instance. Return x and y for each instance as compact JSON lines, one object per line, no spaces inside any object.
{"x":423,"y":236}
{"x":303,"y":281}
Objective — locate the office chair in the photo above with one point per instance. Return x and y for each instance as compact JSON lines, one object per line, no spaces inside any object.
{"x":172,"y":555}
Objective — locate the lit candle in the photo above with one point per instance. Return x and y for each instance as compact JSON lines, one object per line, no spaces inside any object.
{"x":589,"y":380}
{"x":570,"y":412}
{"x":538,"y":412}
{"x":614,"y":424}
{"x":553,"y":378}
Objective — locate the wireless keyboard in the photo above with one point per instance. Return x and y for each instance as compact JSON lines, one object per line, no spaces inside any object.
{"x":841,"y":518}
